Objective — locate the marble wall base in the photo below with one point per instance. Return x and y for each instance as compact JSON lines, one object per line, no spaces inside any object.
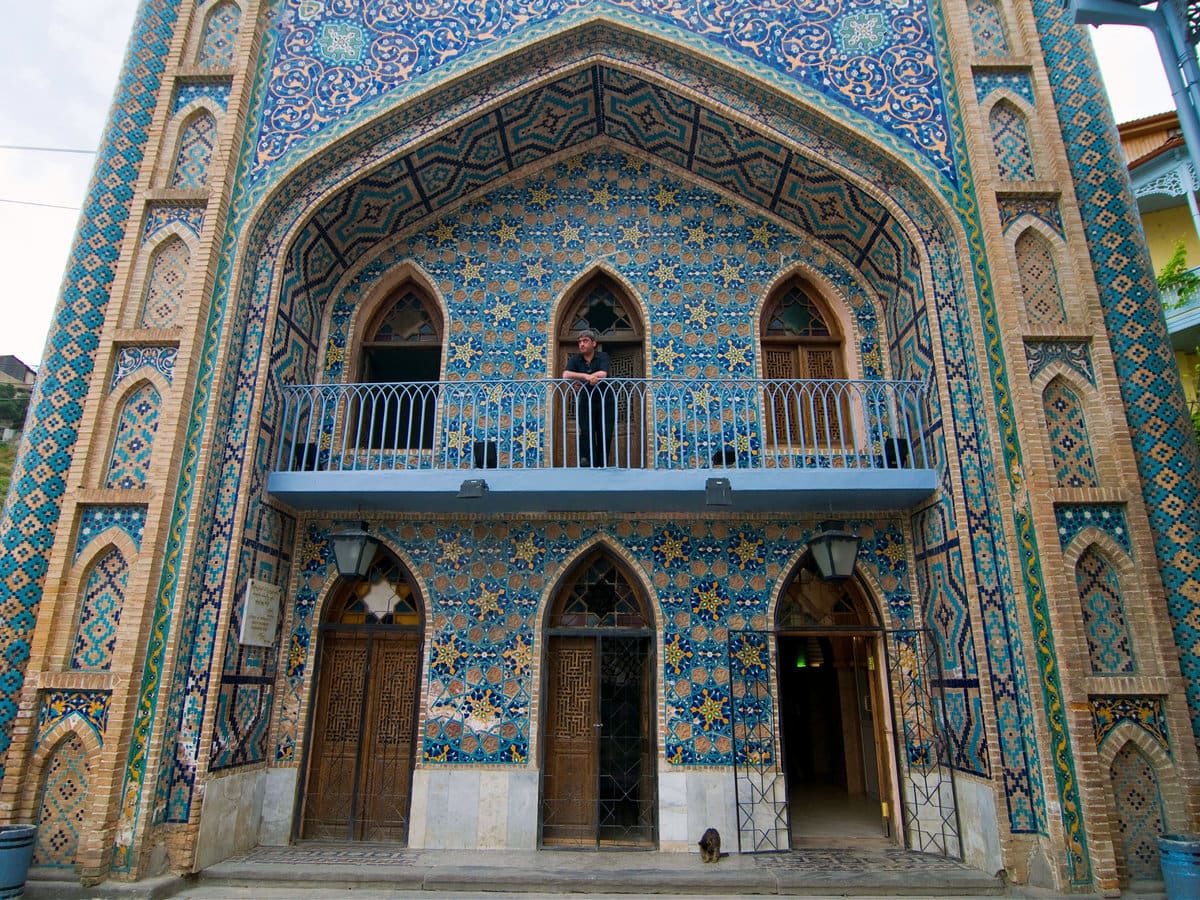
{"x":474,"y":809}
{"x":691,"y":800}
{"x":230,"y":815}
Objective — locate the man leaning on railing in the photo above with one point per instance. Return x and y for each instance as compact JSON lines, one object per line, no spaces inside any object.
{"x":596,"y":405}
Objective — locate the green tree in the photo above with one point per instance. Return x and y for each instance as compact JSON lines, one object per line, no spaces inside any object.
{"x":14,"y":404}
{"x":8,"y":456}
{"x":1177,"y":276}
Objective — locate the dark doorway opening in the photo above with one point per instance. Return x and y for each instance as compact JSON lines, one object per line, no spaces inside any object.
{"x":830,"y":740}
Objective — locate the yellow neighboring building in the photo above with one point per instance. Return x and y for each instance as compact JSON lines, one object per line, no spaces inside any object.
{"x":1165,"y":183}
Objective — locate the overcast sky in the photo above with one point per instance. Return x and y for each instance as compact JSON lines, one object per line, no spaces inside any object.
{"x":62,"y":58}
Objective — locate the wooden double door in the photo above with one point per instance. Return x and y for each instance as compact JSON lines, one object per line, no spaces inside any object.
{"x":363,"y":735}
{"x":598,"y":776}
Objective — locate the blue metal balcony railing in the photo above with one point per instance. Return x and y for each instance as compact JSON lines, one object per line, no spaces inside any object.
{"x":657,"y":424}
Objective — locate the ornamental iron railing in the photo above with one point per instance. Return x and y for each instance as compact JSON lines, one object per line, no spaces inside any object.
{"x":622,"y":423}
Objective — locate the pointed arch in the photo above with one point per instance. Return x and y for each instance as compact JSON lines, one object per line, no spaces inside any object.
{"x":401,"y":344}
{"x":62,"y":802}
{"x":599,"y":738}
{"x":100,"y":604}
{"x":218,"y":36}
{"x":802,"y":341}
{"x":1010,"y":142}
{"x":1066,"y":426}
{"x":1040,"y":286}
{"x":197,"y":140}
{"x":1110,"y":646}
{"x":1140,"y":814}
{"x":364,"y":726}
{"x":133,"y":441}
{"x":603,"y":425}
{"x":166,"y":283}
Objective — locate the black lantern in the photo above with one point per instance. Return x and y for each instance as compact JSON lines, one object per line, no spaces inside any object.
{"x":834,"y":551}
{"x":354,"y":549}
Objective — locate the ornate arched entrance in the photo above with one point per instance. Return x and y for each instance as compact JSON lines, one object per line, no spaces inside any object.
{"x":833,"y":715}
{"x":363,"y":729}
{"x":598,"y":758}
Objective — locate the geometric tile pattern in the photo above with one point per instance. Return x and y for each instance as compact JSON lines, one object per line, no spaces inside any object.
{"x":1076,"y":355}
{"x":137,"y":421}
{"x":876,"y":58}
{"x":63,"y":795}
{"x":1044,"y":209}
{"x":1072,"y":518}
{"x":95,"y":520}
{"x":1010,"y":141}
{"x":1140,"y":818}
{"x":1069,"y":445}
{"x":1147,"y":375}
{"x":132,"y":360}
{"x":1147,"y":713}
{"x":165,"y":283}
{"x":220,"y":36}
{"x":100,"y":612}
{"x":1109,"y":647}
{"x":1018,"y":83}
{"x":461,"y":165}
{"x":31,"y":515}
{"x":196,"y":143}
{"x":480,"y":626}
{"x":160,"y":215}
{"x":214,"y":95}
{"x":987,"y":28}
{"x":1039,"y":280}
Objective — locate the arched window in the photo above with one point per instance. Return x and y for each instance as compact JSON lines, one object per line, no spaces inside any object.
{"x":403,"y":349}
{"x":137,"y":421}
{"x":100,"y":612}
{"x":1010,"y":141}
{"x":1109,"y":647}
{"x":60,"y":810}
{"x":1140,"y":818}
{"x":802,"y":349}
{"x":166,"y":279}
{"x":220,"y":36}
{"x":1069,"y":443}
{"x":600,"y":434}
{"x":196,"y":143}
{"x":1039,"y":280}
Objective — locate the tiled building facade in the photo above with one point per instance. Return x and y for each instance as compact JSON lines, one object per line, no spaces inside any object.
{"x":751,"y":202}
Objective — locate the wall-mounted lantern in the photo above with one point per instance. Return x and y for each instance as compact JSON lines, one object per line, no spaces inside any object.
{"x":354,"y":550}
{"x":834,"y":551}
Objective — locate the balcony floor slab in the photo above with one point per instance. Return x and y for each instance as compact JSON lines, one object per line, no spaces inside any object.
{"x":605,"y":490}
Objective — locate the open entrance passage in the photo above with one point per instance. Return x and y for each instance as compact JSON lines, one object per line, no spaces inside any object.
{"x":598,"y":772}
{"x":830,"y":741}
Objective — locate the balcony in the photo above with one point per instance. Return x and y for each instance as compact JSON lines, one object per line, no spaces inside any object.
{"x":679,"y":445}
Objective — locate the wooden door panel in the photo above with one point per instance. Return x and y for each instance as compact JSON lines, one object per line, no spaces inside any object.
{"x":571,"y":758}
{"x":329,"y":798}
{"x":387,"y":763}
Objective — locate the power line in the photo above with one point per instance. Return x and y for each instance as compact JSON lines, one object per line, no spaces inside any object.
{"x":45,"y":149}
{"x":33,"y":203}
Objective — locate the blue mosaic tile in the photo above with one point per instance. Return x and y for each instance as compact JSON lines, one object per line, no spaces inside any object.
{"x":1109,"y":518}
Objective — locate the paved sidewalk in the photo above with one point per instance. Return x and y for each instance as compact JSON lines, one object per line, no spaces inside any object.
{"x":330,"y":870}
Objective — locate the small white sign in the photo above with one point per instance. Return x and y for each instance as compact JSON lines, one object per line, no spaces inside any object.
{"x":260,"y":613}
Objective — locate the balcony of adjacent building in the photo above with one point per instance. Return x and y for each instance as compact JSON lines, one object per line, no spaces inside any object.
{"x":628,"y":445}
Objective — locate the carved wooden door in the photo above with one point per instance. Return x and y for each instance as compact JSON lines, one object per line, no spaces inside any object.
{"x":361,"y":753}
{"x":569,"y":780}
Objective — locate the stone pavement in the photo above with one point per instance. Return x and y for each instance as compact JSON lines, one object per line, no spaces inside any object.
{"x":320,"y":871}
